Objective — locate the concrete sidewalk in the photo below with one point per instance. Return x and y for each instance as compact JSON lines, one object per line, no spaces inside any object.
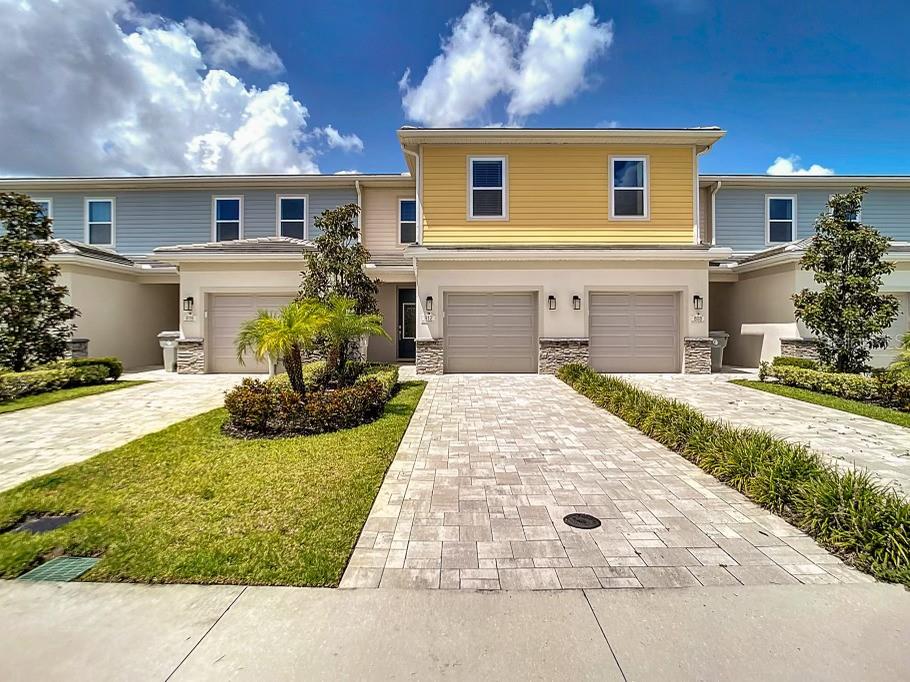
{"x":82,"y":631}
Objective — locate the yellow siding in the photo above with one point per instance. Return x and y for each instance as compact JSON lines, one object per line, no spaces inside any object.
{"x":557,"y":194}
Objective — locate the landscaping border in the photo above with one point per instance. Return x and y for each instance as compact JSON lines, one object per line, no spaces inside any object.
{"x":850,"y":513}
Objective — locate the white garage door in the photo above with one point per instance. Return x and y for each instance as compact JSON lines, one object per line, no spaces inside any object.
{"x":225,"y":315}
{"x":634,"y":332}
{"x":490,"y":332}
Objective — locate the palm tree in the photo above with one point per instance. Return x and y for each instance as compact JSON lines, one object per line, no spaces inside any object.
{"x":284,"y":334}
{"x":342,"y":326}
{"x":902,"y":363}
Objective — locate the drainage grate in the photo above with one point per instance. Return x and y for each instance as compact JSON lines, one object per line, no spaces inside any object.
{"x":44,"y":524}
{"x":61,"y":569}
{"x":583,"y":521}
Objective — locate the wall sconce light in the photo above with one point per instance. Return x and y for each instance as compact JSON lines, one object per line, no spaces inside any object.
{"x":698,"y":302}
{"x":551,"y":302}
{"x":429,"y":307}
{"x":188,"y":304}
{"x":576,"y":302}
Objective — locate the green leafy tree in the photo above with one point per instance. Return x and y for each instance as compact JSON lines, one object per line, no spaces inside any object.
{"x":284,"y":334}
{"x":343,"y":326}
{"x":35,"y":320}
{"x":848,"y":315}
{"x":336,"y":267}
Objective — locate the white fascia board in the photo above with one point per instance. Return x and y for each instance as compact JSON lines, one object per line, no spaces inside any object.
{"x":544,"y":254}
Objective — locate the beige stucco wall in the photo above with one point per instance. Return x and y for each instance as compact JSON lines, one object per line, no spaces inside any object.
{"x":380,"y":219}
{"x":563,"y":280}
{"x":381,"y":349}
{"x":120,"y":314}
{"x":762,"y":301}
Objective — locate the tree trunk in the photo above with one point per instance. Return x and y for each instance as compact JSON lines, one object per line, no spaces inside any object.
{"x":294,"y":366}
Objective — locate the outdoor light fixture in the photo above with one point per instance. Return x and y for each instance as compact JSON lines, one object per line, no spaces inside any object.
{"x":551,"y":302}
{"x":576,"y":302}
{"x":698,"y":302}
{"x":188,"y":304}
{"x":429,"y":304}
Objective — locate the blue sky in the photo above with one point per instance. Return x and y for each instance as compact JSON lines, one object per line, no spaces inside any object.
{"x":828,"y":82}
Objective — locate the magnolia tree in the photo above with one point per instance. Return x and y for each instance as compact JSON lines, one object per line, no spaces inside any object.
{"x":847,"y":313}
{"x":35,"y":320}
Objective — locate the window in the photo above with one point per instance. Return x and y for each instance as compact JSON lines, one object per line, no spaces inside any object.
{"x":408,"y":321}
{"x":292,"y":217}
{"x":628,"y":187}
{"x":488,"y":200}
{"x":407,"y":221}
{"x":228,"y":221}
{"x":46,"y":206}
{"x":99,"y":222}
{"x":781,"y":214}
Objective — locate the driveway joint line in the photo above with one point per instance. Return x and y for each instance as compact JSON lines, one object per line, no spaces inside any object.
{"x":606,"y":639}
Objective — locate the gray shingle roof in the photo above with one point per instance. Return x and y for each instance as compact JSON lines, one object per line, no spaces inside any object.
{"x":74,"y":248}
{"x":255,"y":245}
{"x":802,"y":244}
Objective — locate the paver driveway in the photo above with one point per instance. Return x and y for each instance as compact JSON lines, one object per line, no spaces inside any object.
{"x":844,"y":439}
{"x":41,"y":439}
{"x":489,"y":467}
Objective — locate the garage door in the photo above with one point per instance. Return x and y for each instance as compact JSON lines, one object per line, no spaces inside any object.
{"x":634,"y":332}
{"x":225,"y":315}
{"x":490,"y":332}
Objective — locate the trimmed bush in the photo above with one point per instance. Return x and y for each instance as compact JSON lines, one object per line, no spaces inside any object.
{"x":15,"y":385}
{"x":850,"y":513}
{"x":850,"y":386}
{"x":787,"y":361}
{"x":893,"y":388}
{"x":114,"y":366}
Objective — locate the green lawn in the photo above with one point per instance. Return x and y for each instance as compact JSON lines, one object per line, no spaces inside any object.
{"x":188,"y":504}
{"x":51,"y":397}
{"x":882,"y":414}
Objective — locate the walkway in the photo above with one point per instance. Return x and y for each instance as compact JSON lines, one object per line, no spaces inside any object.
{"x":490,"y":465}
{"x":42,"y":439}
{"x":86,"y":631}
{"x":846,"y":439}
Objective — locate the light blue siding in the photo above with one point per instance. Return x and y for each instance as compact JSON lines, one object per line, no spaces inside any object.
{"x":145,"y":219}
{"x":739,"y":214}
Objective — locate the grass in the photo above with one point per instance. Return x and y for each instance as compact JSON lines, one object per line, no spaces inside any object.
{"x":58,"y":396}
{"x":190,"y":505}
{"x":882,"y":414}
{"x":849,"y":512}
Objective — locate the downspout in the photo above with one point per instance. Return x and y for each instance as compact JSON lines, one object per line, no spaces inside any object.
{"x":714,"y":213}
{"x":360,"y":212}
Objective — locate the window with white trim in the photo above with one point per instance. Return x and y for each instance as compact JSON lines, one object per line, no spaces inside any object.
{"x":292,"y":217}
{"x":99,"y":222}
{"x":781,"y":219}
{"x":409,"y":321}
{"x":228,"y":219}
{"x":46,"y":207}
{"x":488,"y":199}
{"x":628,"y":187}
{"x":407,"y":221}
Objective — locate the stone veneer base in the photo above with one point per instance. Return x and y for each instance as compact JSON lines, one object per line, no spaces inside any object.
{"x":697,"y":355}
{"x":553,"y":353}
{"x":799,"y":348}
{"x":76,"y":348}
{"x":190,"y":356}
{"x":430,"y":356}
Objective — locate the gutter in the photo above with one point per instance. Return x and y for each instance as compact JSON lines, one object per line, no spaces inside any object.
{"x":422,"y":253}
{"x":714,"y":191}
{"x":359,"y":212}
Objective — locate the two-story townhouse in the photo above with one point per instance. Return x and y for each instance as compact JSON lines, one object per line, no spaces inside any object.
{"x":540,"y":246}
{"x":767,"y":221}
{"x":142,"y":255}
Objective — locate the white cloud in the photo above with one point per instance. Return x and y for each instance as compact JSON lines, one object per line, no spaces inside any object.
{"x":790,"y":165}
{"x":335,"y":140}
{"x":487,"y":57}
{"x":224,"y":49}
{"x":103,"y":89}
{"x":352,"y":171}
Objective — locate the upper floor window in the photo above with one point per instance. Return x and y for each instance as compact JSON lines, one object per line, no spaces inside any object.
{"x":488,"y":197}
{"x":228,"y":223}
{"x":781,"y":222}
{"x":407,"y":221}
{"x":99,"y":222}
{"x":292,"y":217}
{"x":628,"y":187}
{"x":46,"y":207}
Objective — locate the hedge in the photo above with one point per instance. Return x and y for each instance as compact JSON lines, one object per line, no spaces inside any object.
{"x":888,"y":388}
{"x":15,"y":385}
{"x":272,"y":409}
{"x":850,"y":512}
{"x":786,"y":360}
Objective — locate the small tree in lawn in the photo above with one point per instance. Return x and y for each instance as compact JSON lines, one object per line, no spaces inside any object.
{"x":35,"y":320}
{"x":344,"y":325}
{"x":336,"y":267}
{"x":848,"y":315}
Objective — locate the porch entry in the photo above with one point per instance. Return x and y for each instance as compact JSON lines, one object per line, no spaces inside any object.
{"x":407,"y":323}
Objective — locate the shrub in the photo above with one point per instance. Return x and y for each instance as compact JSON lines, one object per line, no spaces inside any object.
{"x":251,"y":405}
{"x":15,"y":385}
{"x":787,"y":361}
{"x":893,"y":387}
{"x":386,"y":375}
{"x":114,"y":366}
{"x":848,"y":512}
{"x":851,"y":386}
